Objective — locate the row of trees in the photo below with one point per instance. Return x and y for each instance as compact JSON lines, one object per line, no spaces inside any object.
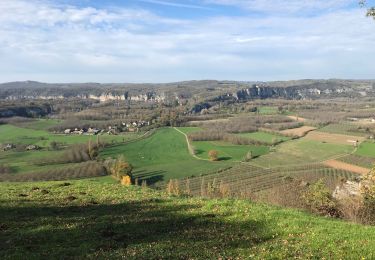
{"x":82,"y":170}
{"x":211,"y":135}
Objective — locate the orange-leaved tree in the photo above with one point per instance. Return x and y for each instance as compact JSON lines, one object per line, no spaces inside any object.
{"x":213,"y":155}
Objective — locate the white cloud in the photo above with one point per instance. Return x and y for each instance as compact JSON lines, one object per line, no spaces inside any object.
{"x":43,"y":41}
{"x":280,"y":7}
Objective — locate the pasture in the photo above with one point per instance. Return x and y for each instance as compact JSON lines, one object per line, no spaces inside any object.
{"x":227,"y":151}
{"x":265,"y":137}
{"x":21,"y":161}
{"x":334,"y":138}
{"x":162,"y":156}
{"x":42,"y":138}
{"x":342,"y":128}
{"x":267,"y":110}
{"x":38,"y":124}
{"x":302,"y":151}
{"x":366,"y":149}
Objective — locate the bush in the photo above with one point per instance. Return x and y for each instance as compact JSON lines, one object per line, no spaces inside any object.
{"x":119,"y":167}
{"x":318,"y":199}
{"x":368,"y":195}
{"x":213,"y":155}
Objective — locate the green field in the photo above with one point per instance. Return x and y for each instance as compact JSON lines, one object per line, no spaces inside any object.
{"x":265,"y":110}
{"x":97,"y":219}
{"x":163,"y":156}
{"x":19,"y":135}
{"x":227,"y":151}
{"x":39,"y":124}
{"x":343,"y":128}
{"x":265,"y":137}
{"x":366,"y":149}
{"x":25,"y":161}
{"x":301,"y":151}
{"x":188,"y":130}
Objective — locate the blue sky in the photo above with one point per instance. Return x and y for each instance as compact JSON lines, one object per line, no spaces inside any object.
{"x":173,"y":40}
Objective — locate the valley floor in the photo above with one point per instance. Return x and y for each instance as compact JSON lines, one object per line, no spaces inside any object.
{"x":97,"y":218}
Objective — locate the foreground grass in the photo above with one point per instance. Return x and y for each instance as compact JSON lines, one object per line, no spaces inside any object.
{"x":99,"y":219}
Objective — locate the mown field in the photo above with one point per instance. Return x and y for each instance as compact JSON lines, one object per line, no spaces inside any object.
{"x":343,"y":128}
{"x":95,"y":218}
{"x":265,"y":137}
{"x":163,"y":156}
{"x":227,"y":151}
{"x":302,"y":151}
{"x":366,"y":149}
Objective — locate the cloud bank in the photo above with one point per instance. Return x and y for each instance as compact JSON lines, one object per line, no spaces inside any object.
{"x":42,"y":40}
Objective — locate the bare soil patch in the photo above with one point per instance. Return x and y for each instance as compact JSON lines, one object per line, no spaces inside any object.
{"x":345,"y":166}
{"x":334,"y":138}
{"x":300,"y":131}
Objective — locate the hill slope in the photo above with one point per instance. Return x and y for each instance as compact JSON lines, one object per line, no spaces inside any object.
{"x":98,"y":218}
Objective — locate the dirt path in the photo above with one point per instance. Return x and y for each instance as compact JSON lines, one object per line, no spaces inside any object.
{"x":190,"y":147}
{"x":345,"y":166}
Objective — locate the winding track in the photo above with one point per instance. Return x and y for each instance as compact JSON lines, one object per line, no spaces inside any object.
{"x":190,"y":148}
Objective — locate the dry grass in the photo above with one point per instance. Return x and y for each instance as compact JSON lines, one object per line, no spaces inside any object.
{"x":333,"y":138}
{"x":301,"y":131}
{"x":345,"y":166}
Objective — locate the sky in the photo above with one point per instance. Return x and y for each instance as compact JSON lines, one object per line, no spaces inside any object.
{"x":117,"y":41}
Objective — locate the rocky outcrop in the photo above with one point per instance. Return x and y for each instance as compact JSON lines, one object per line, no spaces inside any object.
{"x":348,"y":190}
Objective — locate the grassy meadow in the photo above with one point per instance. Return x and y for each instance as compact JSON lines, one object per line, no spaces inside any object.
{"x":265,"y":137}
{"x":96,"y":218}
{"x":366,"y":149}
{"x":43,"y":138}
{"x":343,"y":128}
{"x":28,"y":161}
{"x":163,"y":156}
{"x":302,"y":151}
{"x":227,"y":151}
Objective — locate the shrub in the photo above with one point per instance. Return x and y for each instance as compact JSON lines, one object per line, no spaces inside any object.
{"x":319,"y":199}
{"x":119,"y":167}
{"x":213,"y":155}
{"x":368,"y":195}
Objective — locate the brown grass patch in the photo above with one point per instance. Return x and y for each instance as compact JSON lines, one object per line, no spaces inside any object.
{"x":347,"y":167}
{"x":333,"y":138}
{"x":300,"y":131}
{"x":298,"y":119}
